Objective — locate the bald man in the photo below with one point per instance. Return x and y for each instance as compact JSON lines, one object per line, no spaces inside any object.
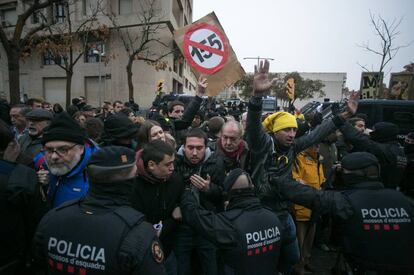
{"x":232,"y":146}
{"x":247,"y":235}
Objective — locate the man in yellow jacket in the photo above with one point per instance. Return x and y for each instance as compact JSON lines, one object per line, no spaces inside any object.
{"x":308,"y":170}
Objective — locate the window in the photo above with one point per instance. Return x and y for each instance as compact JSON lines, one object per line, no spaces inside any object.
{"x":90,"y":7}
{"x":60,"y":12}
{"x":50,"y":59}
{"x":93,"y":51}
{"x":125,"y":6}
{"x":178,"y":12}
{"x":8,"y":15}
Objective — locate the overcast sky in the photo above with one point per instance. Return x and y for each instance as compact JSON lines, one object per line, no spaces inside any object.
{"x":311,"y":35}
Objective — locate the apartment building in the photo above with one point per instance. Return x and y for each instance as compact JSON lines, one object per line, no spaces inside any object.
{"x":101,"y":74}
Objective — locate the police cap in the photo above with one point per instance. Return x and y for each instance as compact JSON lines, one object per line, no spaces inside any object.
{"x":231,"y":178}
{"x":359,"y":160}
{"x":110,"y":160}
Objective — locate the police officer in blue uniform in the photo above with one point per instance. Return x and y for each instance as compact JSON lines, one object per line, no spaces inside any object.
{"x":100,"y":233}
{"x":247,"y":235}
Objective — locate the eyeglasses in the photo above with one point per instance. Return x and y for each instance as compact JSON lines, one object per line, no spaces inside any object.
{"x":60,"y":151}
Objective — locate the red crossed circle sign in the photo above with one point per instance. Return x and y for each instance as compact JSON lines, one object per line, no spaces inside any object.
{"x":205,"y":48}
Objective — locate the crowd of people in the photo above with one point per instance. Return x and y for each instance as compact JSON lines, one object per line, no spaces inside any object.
{"x":188,"y":190}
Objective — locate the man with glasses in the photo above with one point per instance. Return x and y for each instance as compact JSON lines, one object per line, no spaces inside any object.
{"x":62,"y":163}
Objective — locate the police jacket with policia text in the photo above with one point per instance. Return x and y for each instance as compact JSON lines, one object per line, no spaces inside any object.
{"x":73,"y":185}
{"x":98,"y":234}
{"x":247,"y":234}
{"x":19,"y":194}
{"x":266,"y":158}
{"x":212,"y":165}
{"x":375,"y":223}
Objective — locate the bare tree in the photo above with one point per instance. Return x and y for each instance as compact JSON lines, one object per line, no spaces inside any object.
{"x":143,"y":41}
{"x":67,"y":42}
{"x":15,"y":41}
{"x":387,"y":32}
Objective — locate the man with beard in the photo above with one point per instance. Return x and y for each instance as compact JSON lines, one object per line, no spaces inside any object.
{"x":65,"y":155}
{"x":37,"y":121}
{"x":203,"y":172}
{"x":232,"y":147}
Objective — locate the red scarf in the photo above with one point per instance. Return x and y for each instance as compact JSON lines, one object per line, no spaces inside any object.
{"x":232,"y":155}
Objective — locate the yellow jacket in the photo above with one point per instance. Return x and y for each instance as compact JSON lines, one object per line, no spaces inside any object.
{"x":307,"y":170}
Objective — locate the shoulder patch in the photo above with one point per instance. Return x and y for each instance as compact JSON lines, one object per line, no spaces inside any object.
{"x":157,"y":252}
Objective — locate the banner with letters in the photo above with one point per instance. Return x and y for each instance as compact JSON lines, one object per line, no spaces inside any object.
{"x":371,"y":85}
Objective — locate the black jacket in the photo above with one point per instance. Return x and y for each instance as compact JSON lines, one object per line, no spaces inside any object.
{"x":212,"y":165}
{"x":390,"y":154}
{"x":247,"y":234}
{"x":265,"y":154}
{"x":99,"y":234}
{"x":19,"y":207}
{"x":157,"y":200}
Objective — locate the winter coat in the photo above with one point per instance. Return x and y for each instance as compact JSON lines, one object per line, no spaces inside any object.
{"x":156,"y":199}
{"x":30,"y":146}
{"x":309,"y":171}
{"x":19,"y":201}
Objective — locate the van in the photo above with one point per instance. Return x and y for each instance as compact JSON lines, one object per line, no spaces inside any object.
{"x":399,"y":112}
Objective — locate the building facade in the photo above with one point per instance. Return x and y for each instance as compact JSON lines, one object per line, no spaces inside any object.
{"x":100,"y":74}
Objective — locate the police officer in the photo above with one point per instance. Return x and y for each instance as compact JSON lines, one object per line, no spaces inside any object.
{"x":375,"y":223}
{"x":100,"y":233}
{"x":247,"y":234}
{"x":383,"y":143}
{"x":18,"y":196}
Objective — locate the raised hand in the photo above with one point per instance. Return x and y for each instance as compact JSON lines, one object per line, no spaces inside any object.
{"x":351,"y":105}
{"x":261,"y":82}
{"x":202,"y":86}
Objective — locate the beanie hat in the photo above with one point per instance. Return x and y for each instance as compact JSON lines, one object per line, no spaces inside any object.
{"x":119,"y":126}
{"x":108,"y":161}
{"x":384,"y":131}
{"x":64,"y":128}
{"x":279,"y":121}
